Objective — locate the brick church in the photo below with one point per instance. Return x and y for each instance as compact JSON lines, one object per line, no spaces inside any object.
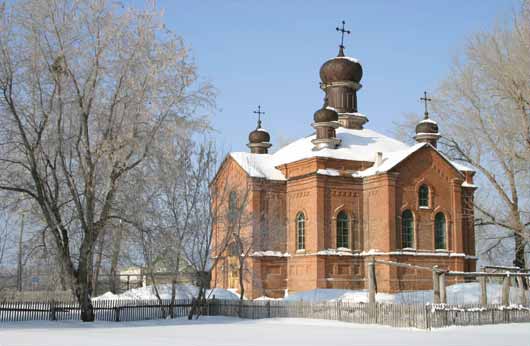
{"x":319,"y":209}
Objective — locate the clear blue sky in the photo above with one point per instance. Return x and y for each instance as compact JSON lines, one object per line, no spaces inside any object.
{"x":269,"y":53}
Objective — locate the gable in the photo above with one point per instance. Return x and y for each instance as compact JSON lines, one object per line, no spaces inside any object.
{"x":427,"y":157}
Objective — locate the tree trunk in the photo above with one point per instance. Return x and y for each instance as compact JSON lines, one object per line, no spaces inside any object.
{"x":20,"y":256}
{"x":99,"y":259}
{"x":241,"y":285}
{"x":174,"y":285}
{"x":82,"y":281}
{"x":114,"y":286}
{"x":519,"y":260}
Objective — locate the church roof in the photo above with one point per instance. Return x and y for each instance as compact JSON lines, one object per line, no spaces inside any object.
{"x":356,"y":145}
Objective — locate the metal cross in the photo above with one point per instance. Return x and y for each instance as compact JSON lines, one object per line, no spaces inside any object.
{"x":425,"y":99}
{"x":343,"y":31}
{"x":259,"y":113}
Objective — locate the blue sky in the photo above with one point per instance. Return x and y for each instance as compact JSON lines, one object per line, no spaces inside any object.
{"x":269,"y":53}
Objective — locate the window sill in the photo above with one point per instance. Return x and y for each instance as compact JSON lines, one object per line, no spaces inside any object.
{"x":344,"y":249}
{"x":425,"y":208}
{"x":300,"y":252}
{"x":441,"y":251}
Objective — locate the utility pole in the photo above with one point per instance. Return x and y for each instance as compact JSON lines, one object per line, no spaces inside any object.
{"x":20,"y":255}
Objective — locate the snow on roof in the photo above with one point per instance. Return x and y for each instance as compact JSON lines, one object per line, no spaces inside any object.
{"x":462,"y":167}
{"x":466,"y":184}
{"x":329,"y":171}
{"x":258,"y":165}
{"x":347,"y":58}
{"x":428,"y":120}
{"x":390,"y":160}
{"x":270,"y":253}
{"x":356,"y":145}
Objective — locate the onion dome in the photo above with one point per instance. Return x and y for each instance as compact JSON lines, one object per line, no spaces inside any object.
{"x":259,"y":135}
{"x":427,"y":126}
{"x":427,"y":129}
{"x":341,"y":69}
{"x":259,"y":139}
{"x":326,"y":114}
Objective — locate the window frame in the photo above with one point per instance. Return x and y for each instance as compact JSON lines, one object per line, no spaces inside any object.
{"x":440,"y":231}
{"x":300,"y":231}
{"x":342,"y":230}
{"x":424,"y":196}
{"x":410,"y":228}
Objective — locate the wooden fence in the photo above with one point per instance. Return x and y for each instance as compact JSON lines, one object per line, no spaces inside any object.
{"x":394,"y":315}
{"x":105,"y":310}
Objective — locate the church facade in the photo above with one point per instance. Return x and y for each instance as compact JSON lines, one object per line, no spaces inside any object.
{"x":314,"y":213}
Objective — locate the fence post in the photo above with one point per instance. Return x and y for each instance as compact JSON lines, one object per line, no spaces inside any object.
{"x":269,"y":308}
{"x":53,"y":316}
{"x":371,"y":281}
{"x":436,"y":285}
{"x":483,"y":290}
{"x":443,"y":289}
{"x":117,"y":314}
{"x":506,"y":290}
{"x":520,"y":283}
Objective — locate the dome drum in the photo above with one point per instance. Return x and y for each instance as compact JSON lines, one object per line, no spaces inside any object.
{"x":259,"y":148}
{"x":427,"y":127}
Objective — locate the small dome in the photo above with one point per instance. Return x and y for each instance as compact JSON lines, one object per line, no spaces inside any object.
{"x":427,"y":126}
{"x":326,"y":114}
{"x":259,"y":135}
{"x":341,"y":69}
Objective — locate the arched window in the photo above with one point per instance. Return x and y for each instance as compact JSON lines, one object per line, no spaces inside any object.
{"x":407,"y":229}
{"x":423,"y":196}
{"x":232,"y":207}
{"x":300,"y":231}
{"x":439,"y":231}
{"x":343,"y":230}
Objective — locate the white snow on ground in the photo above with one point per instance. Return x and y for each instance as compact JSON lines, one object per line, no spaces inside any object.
{"x":183,"y":291}
{"x":468,"y":293}
{"x":224,"y":331}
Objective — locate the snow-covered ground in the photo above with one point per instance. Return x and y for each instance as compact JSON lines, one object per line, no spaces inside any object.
{"x":223,"y":331}
{"x":183,"y":291}
{"x":468,"y":293}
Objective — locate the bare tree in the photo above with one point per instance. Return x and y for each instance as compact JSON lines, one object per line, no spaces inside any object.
{"x":85,"y":89}
{"x":483,"y":109}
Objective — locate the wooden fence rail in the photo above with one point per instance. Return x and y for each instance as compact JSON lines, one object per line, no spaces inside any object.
{"x":394,"y":315}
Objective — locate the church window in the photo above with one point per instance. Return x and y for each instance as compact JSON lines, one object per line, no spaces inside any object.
{"x":232,"y":207}
{"x":424,"y":196}
{"x":343,"y":230}
{"x":439,"y":231}
{"x":300,"y":231}
{"x":407,"y":229}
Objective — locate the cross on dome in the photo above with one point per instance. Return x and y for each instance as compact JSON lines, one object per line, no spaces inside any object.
{"x":259,"y":113}
{"x":342,"y":31}
{"x":425,"y":99}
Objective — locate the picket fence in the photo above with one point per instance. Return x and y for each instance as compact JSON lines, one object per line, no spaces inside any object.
{"x":394,"y":315}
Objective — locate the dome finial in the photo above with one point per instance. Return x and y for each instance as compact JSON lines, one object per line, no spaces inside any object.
{"x":259,"y":139}
{"x":425,"y":99}
{"x":259,"y":113}
{"x":342,"y":31}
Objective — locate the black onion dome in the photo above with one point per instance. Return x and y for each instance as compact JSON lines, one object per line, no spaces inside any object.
{"x":259,"y":135}
{"x":325,"y":115}
{"x":341,"y":69}
{"x":427,"y":126}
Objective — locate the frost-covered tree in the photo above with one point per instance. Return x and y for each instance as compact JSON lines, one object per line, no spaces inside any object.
{"x":483,"y":108}
{"x":86,"y":86}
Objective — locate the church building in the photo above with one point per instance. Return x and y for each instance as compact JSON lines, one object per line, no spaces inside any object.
{"x":314,"y":213}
